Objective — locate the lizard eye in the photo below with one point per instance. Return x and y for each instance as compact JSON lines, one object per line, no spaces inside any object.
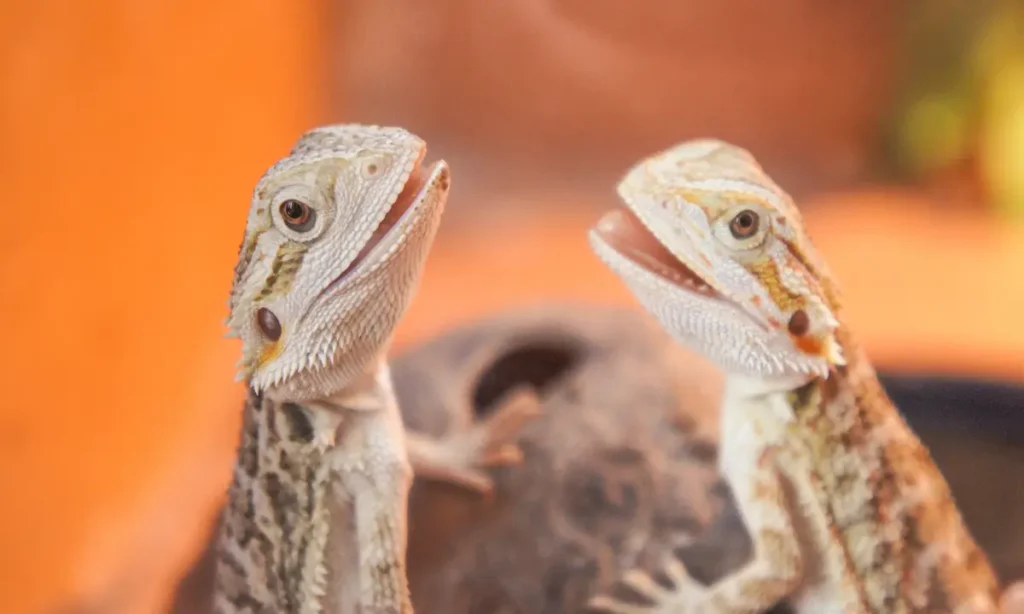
{"x":744,"y":224}
{"x":297,"y":215}
{"x":743,"y":229}
{"x":300,"y":212}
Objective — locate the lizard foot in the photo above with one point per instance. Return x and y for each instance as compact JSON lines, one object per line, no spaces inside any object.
{"x":461,"y":458}
{"x":685,"y":596}
{"x":494,"y":438}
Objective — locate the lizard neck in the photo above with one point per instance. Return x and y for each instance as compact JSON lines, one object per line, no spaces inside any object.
{"x":851,"y":392}
{"x":882,"y":494}
{"x":849,"y":401}
{"x":276,"y":543}
{"x":369,"y":391}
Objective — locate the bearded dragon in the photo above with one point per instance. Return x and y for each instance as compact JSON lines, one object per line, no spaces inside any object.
{"x":335,"y":242}
{"x":845,"y":508}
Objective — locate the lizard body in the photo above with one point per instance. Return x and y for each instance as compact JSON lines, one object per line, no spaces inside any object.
{"x":334,"y":246}
{"x":846,"y":510}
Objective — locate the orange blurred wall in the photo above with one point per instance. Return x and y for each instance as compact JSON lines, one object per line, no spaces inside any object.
{"x":131,"y":133}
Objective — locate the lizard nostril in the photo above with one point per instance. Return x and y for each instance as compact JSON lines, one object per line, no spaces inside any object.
{"x":269,"y":325}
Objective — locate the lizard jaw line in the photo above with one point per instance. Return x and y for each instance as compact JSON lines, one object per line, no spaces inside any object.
{"x":406,"y":205}
{"x":644,"y":225}
{"x":623,"y":231}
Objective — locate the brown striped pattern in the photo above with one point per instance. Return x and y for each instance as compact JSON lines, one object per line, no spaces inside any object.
{"x":286,"y":264}
{"x":277,"y":500}
{"x":890,"y":507}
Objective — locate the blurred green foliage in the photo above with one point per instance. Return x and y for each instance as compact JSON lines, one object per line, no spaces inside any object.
{"x":963,"y":101}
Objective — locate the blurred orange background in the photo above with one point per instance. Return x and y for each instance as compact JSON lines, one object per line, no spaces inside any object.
{"x":135,"y":130}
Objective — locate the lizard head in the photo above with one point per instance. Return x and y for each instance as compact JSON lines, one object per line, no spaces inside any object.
{"x":717,"y":253}
{"x":336,"y":238}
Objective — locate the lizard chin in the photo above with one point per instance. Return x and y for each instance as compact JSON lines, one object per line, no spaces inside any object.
{"x":623,"y":231}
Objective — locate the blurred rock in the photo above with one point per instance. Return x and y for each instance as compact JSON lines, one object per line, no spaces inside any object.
{"x":620,"y":469}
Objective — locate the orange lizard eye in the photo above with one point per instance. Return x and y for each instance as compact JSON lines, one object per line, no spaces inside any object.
{"x":269,"y":325}
{"x":745,"y":224}
{"x":297,"y":215}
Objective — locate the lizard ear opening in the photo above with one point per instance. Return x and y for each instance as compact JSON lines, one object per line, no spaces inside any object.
{"x":538,"y":365}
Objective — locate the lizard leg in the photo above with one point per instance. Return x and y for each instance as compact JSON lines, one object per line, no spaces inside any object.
{"x":459,"y":459}
{"x":774,"y":571}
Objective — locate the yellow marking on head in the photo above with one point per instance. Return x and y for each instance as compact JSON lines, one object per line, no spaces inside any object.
{"x":828,"y":288}
{"x":269,"y":351}
{"x":767,"y":272}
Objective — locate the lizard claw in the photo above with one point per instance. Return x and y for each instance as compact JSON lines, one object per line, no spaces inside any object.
{"x":643,"y":584}
{"x":491,"y":442}
{"x":461,"y":457}
{"x":508,"y":454}
{"x":676,"y":572}
{"x":607,"y":604}
{"x":682,"y":598}
{"x":494,"y":437}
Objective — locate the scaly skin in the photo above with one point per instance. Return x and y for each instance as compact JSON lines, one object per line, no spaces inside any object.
{"x":846,"y":510}
{"x":334,"y":246}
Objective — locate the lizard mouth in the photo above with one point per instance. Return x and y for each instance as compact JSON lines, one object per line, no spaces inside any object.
{"x":412,"y":193}
{"x":624,"y":232}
